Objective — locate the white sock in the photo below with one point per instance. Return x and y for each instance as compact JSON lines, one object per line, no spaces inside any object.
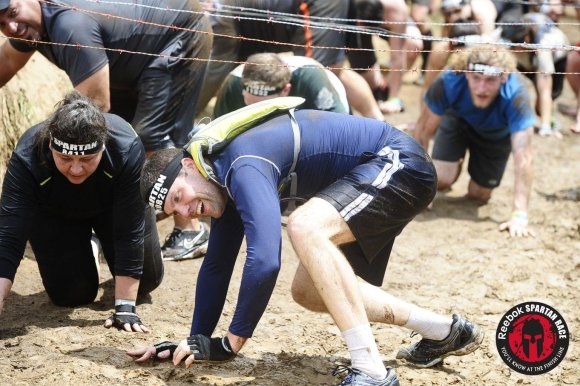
{"x":429,"y":324}
{"x":363,"y":351}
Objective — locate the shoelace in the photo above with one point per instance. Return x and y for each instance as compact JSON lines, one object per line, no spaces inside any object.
{"x":173,"y":236}
{"x":340,"y":369}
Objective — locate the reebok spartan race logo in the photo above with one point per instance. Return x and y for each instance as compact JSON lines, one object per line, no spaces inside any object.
{"x":532,"y":338}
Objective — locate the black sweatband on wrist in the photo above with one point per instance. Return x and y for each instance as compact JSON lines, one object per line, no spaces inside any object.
{"x":125,"y":308}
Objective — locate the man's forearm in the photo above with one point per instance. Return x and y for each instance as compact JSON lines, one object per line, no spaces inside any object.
{"x":237,"y":342}
{"x":426,"y":126}
{"x":126,"y":288}
{"x":522,"y":152}
{"x":5,"y":287}
{"x":544,"y":84}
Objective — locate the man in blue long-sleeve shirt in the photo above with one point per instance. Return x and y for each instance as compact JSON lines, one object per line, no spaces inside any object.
{"x":361,"y":180}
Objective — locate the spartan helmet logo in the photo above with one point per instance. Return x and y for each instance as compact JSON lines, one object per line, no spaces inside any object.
{"x":533,"y":337}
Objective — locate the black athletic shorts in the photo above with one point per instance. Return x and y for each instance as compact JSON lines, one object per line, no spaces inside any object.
{"x":487,"y":159}
{"x":378,"y":198}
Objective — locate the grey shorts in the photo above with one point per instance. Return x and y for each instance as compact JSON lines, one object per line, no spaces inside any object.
{"x":487,"y":159}
{"x":378,"y":198}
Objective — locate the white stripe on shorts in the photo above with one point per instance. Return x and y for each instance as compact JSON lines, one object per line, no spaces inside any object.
{"x":361,"y":202}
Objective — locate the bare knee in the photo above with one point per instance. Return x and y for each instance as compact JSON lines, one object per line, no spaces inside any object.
{"x":297,"y":227}
{"x":443,"y":185}
{"x":304,"y":293}
{"x":447,"y":173}
{"x":479,"y":193}
{"x":303,"y":225}
{"x":299,"y":295}
{"x":304,"y":299}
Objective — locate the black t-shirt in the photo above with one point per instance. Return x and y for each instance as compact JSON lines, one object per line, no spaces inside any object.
{"x":252,"y":28}
{"x":113,"y":26}
{"x":31,"y":187}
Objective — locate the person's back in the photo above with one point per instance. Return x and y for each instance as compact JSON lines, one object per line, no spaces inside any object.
{"x":301,"y":76}
{"x":540,"y":55}
{"x":93,"y":25}
{"x":540,"y":30}
{"x":331,"y":145}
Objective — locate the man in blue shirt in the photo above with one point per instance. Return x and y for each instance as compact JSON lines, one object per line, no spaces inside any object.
{"x":361,"y":182}
{"x":483,"y":108}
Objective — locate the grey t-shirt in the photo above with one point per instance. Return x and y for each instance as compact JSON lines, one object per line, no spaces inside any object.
{"x":113,"y":26}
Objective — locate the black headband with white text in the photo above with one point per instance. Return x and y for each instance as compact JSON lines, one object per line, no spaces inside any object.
{"x":160,"y":188}
{"x":260,"y":89}
{"x":485,"y":69}
{"x":75,"y":148}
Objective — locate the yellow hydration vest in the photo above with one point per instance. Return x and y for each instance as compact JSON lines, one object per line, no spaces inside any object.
{"x":216,"y":135}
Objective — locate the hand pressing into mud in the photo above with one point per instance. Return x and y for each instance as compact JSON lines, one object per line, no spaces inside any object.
{"x":159,"y":351}
{"x":195,"y":348}
{"x":517,"y":226}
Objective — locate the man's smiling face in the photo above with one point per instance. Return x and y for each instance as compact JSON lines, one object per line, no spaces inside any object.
{"x":22,"y":19}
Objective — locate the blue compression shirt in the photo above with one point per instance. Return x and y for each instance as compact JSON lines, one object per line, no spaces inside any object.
{"x":509,"y":113}
{"x":251,"y":168}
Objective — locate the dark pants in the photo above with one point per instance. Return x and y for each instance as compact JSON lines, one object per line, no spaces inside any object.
{"x":162,"y":108}
{"x":62,"y":247}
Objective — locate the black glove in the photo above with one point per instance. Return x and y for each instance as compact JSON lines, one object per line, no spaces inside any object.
{"x":204,"y":348}
{"x":124,"y":313}
{"x":164,"y":346}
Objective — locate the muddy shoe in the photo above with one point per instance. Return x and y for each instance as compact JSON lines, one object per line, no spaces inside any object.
{"x":355,"y":377}
{"x":464,"y":338}
{"x":181,"y":244}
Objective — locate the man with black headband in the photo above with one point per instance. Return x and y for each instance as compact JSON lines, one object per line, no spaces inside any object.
{"x":482,"y":106}
{"x":269,"y":75}
{"x":72,"y":175}
{"x":361,"y":181}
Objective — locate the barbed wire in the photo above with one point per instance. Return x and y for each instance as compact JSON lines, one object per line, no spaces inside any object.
{"x":540,"y":3}
{"x":233,"y":12}
{"x":370,"y":31}
{"x":238,"y":62}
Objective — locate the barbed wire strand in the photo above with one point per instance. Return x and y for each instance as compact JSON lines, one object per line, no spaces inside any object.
{"x":238,"y":62}
{"x":298,"y":19}
{"x":379,"y":33}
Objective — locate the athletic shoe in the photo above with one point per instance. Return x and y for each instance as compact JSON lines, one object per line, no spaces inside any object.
{"x":355,"y":377}
{"x":464,"y":338}
{"x":182,"y":245}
